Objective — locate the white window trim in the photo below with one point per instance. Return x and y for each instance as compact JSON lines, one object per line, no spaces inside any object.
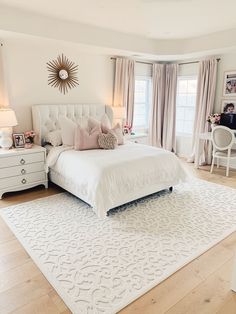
{"x":185,"y":77}
{"x":144,"y":129}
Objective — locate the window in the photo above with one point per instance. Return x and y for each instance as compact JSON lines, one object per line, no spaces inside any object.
{"x":185,"y":104}
{"x":142,"y":99}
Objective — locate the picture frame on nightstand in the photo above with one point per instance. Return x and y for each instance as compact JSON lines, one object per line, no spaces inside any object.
{"x":18,"y":140}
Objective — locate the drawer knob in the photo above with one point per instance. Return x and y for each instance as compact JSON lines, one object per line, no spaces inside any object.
{"x":23,"y":181}
{"x":22,"y":161}
{"x":23,"y":171}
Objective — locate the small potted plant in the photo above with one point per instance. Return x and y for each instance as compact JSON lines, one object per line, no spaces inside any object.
{"x":214,"y":119}
{"x":29,"y":139}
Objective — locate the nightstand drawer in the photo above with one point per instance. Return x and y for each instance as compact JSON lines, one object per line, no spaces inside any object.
{"x":22,"y":180}
{"x":21,"y":160}
{"x":21,"y":170}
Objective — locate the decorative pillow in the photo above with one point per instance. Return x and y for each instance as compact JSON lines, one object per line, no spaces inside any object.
{"x":107,"y":141}
{"x":54,"y":138}
{"x":105,"y":122}
{"x":68,"y":128}
{"x":85,"y":139}
{"x":117,"y":131}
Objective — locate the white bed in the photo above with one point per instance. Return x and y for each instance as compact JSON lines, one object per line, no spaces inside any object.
{"x":105,"y":179}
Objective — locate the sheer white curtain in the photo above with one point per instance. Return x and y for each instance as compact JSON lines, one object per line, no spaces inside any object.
{"x":206,"y":89}
{"x":163,"y":110}
{"x":124,"y":87}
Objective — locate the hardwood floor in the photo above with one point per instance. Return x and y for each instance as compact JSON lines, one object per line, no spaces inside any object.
{"x":203,"y":286}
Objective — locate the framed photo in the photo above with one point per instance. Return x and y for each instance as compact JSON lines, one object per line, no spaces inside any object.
{"x":230,"y":84}
{"x":19,"y":140}
{"x":228,"y":105}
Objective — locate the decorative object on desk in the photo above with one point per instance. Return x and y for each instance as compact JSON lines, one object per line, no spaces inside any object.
{"x":19,"y":140}
{"x":7,"y":121}
{"x":229,"y":88}
{"x":63,"y":74}
{"x":228,"y":106}
{"x":214,"y":119}
{"x":29,"y":139}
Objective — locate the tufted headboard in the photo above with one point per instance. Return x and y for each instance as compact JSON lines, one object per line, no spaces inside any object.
{"x":45,"y":117}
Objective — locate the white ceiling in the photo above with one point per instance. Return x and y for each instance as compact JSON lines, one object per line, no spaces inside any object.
{"x":159,"y":19}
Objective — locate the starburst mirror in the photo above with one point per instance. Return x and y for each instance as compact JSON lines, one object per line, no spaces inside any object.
{"x":62,"y":74}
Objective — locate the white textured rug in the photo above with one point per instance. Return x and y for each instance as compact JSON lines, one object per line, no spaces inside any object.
{"x":99,"y":266}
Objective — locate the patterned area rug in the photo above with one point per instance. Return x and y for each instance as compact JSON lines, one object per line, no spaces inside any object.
{"x":99,"y":266}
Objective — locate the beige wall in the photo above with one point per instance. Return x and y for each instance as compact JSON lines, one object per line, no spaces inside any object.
{"x":227,"y":63}
{"x":26,"y":75}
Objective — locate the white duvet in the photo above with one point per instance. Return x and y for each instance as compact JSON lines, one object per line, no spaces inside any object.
{"x":109,"y":178}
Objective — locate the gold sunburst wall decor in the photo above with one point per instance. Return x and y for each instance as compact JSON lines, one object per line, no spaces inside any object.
{"x":62,"y":74}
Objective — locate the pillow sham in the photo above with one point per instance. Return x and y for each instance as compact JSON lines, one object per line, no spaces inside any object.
{"x":107,"y":141}
{"x":85,"y":139}
{"x":68,"y":128}
{"x":54,"y":138}
{"x":117,"y":131}
{"x":105,"y":122}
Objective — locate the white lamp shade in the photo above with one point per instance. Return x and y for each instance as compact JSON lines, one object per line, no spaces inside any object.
{"x":119,"y":112}
{"x":7,"y":118}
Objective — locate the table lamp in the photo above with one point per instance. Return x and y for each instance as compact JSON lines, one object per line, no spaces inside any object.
{"x":119,"y":114}
{"x":7,"y":121}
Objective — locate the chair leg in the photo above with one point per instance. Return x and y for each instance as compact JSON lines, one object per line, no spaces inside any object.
{"x":227,"y":168}
{"x":218,"y":162}
{"x":212,"y":164}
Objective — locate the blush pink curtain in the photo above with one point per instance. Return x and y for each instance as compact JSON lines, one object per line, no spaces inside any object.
{"x":157,"y":108}
{"x":163,"y":110}
{"x":206,"y":89}
{"x":124,"y":87}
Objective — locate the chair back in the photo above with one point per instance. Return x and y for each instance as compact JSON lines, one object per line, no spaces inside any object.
{"x":222,"y":138}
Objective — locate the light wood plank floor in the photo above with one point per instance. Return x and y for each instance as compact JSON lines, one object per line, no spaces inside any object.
{"x":203,"y":286}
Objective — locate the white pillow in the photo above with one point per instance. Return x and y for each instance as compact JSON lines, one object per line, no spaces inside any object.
{"x":68,"y":128}
{"x":105,"y":122}
{"x":54,"y":138}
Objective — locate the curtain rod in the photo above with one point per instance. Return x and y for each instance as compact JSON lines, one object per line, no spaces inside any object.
{"x":149,"y":62}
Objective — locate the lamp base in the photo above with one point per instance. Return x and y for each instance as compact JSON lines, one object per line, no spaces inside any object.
{"x":6,"y":138}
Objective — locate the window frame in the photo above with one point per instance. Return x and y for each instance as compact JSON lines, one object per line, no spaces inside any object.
{"x":185,"y":77}
{"x":148,"y":99}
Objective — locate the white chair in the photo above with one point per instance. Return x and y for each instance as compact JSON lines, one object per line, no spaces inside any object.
{"x":222,"y":140}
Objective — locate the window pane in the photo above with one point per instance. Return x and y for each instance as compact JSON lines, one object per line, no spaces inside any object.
{"x":142,"y":102}
{"x":182,"y":86}
{"x":192,"y":86}
{"x":189,"y":114}
{"x":182,"y":100}
{"x":185,"y":104}
{"x":190,"y":100}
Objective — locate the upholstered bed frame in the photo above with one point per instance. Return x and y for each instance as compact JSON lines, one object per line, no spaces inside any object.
{"x":45,"y":117}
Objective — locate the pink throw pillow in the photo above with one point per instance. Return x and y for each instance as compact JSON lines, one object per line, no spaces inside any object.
{"x":117,"y":131}
{"x":85,"y":139}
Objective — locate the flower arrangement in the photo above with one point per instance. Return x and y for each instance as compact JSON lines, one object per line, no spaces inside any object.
{"x":214,"y":118}
{"x":127,"y":129}
{"x":29,"y":137}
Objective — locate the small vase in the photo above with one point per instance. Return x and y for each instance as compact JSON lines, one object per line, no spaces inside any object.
{"x":213,"y":125}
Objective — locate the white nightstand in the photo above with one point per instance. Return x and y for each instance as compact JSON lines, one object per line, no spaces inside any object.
{"x":22,"y":169}
{"x":140,"y":138}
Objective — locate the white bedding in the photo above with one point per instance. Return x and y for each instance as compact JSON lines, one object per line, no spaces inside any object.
{"x":109,"y":178}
